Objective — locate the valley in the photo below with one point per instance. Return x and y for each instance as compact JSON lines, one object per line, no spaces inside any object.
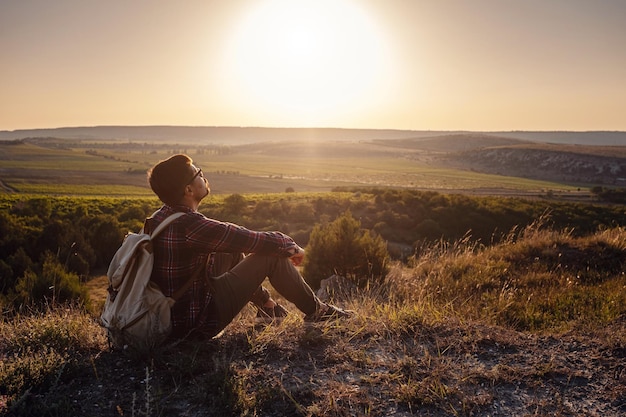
{"x":310,"y":161}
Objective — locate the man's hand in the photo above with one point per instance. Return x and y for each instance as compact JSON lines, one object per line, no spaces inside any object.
{"x":297,"y":258}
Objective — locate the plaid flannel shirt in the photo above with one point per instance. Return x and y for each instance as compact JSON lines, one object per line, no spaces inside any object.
{"x":187,"y":244}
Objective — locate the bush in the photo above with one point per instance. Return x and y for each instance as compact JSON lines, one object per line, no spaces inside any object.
{"x":54,"y":284}
{"x":344,"y":248}
{"x":235,"y":203}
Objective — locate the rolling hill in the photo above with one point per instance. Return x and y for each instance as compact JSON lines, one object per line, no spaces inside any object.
{"x":237,"y":135}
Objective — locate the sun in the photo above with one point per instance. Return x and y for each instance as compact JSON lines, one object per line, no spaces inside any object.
{"x":299,"y":62}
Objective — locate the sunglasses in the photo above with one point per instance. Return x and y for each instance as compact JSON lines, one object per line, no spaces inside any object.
{"x":198,"y":173}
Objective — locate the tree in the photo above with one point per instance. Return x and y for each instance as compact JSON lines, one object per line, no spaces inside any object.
{"x":345,"y":249}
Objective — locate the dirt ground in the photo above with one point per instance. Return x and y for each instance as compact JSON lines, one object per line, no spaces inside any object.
{"x":446,"y":370}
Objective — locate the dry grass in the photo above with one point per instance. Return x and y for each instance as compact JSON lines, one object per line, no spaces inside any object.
{"x":537,"y":279}
{"x":441,"y":338}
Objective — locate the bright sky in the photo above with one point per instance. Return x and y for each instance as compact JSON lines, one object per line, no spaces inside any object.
{"x":397,"y":64}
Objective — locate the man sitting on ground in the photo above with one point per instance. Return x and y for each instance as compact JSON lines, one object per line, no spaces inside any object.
{"x":230,"y":280}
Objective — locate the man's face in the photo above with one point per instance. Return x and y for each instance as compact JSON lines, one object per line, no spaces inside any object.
{"x":199,"y":184}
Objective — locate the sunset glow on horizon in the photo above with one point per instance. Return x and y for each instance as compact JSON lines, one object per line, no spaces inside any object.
{"x":484,"y":65}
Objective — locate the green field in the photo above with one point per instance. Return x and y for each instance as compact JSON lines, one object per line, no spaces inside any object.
{"x":113,"y":168}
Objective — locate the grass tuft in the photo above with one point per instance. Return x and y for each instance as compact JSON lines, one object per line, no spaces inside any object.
{"x":39,"y":351}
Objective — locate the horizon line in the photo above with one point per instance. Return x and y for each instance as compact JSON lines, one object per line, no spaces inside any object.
{"x":313,"y":128}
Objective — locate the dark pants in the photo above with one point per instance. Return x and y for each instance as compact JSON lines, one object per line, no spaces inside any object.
{"x":238,"y":280}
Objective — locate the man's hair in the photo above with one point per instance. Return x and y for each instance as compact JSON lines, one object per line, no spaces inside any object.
{"x":169,"y":177}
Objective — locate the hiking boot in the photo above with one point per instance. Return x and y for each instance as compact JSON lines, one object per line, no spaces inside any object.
{"x":269,"y":314}
{"x":328,"y":312}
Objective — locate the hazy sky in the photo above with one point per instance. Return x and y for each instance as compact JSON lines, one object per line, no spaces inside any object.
{"x":399,"y":64}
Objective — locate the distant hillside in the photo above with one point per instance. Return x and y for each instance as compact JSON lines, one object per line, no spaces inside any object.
{"x":208,"y":134}
{"x":569,"y":164}
{"x":597,"y":138}
{"x":240,"y":135}
{"x":488,"y":153}
{"x":451,"y":142}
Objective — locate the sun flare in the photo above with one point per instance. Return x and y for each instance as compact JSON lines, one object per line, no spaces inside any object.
{"x":305,"y":62}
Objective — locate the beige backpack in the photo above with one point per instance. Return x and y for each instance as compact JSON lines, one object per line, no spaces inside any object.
{"x":136,"y":313}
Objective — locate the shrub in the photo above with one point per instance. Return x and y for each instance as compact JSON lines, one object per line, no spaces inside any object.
{"x":54,"y":284}
{"x":235,"y":203}
{"x":344,"y":248}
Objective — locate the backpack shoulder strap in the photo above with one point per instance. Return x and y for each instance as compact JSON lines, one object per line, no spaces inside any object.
{"x":165,"y":223}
